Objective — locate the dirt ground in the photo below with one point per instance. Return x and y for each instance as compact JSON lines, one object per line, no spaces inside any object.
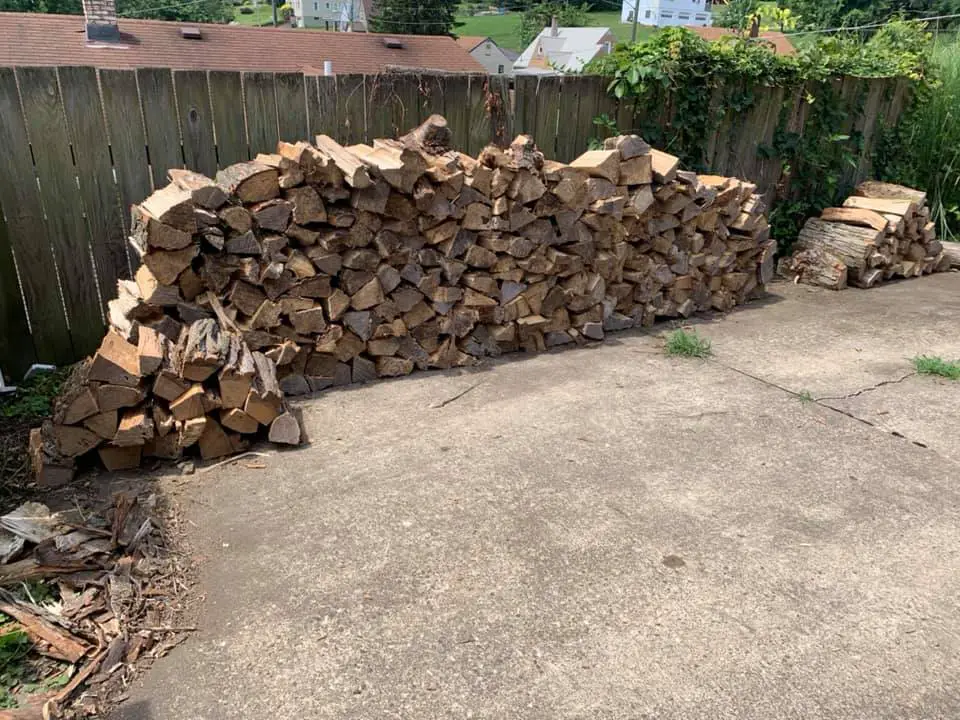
{"x":601,"y":533}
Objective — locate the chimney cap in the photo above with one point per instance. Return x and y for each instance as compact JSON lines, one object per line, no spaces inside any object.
{"x":393,"y":43}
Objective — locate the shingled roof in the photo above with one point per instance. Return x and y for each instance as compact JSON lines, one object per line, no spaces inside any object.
{"x":781,"y":43}
{"x":39,"y":39}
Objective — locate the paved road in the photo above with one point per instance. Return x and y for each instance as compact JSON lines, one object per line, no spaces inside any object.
{"x":603,"y":533}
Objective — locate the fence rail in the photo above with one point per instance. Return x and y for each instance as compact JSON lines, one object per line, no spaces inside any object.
{"x":81,"y":144}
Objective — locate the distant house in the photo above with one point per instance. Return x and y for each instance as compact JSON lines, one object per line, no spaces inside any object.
{"x":352,"y":15}
{"x":559,"y":50}
{"x":777,"y":41}
{"x":665,"y":13}
{"x":486,"y":52}
{"x":98,"y":38}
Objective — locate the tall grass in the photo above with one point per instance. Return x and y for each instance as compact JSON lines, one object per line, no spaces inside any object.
{"x":928,"y":154}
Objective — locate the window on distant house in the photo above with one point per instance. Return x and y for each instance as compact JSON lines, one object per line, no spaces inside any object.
{"x":316,"y":7}
{"x":647,"y":14}
{"x":684,"y":16}
{"x":666,"y":15}
{"x":500,"y":69}
{"x":487,"y":48}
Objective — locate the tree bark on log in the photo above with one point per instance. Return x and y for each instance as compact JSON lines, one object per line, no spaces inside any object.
{"x":851,"y":244}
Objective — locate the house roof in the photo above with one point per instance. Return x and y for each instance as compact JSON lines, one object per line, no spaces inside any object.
{"x":61,"y":40}
{"x":470,"y":42}
{"x":781,"y":43}
{"x":571,"y":48}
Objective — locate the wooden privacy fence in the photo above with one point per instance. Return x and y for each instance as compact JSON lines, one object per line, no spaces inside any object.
{"x":78,"y":145}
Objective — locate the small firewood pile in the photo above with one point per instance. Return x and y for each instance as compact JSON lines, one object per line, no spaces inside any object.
{"x":883,"y":231}
{"x":323,"y":265}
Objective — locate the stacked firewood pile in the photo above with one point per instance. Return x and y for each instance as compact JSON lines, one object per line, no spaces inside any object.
{"x":883,"y":231}
{"x":323,"y":265}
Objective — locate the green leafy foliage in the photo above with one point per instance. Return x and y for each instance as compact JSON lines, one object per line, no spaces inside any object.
{"x":932,"y":365}
{"x":854,"y":13}
{"x":737,"y":14}
{"x":14,"y":646}
{"x":33,"y":397}
{"x":424,"y":17}
{"x":687,"y":344}
{"x":538,"y":16}
{"x":695,"y":84}
{"x":205,"y":11}
{"x":924,"y":149}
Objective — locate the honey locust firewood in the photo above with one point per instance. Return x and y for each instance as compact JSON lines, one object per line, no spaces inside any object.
{"x":204,"y":191}
{"x":251,"y":182}
{"x":855,"y":216}
{"x":354,"y":171}
{"x":850,"y":243}
{"x":599,"y":163}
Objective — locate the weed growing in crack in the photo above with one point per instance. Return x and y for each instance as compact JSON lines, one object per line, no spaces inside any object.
{"x":687,"y":344}
{"x":927,"y":365}
{"x":804,"y":396}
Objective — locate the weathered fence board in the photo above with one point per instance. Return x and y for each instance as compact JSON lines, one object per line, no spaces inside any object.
{"x":16,"y":345}
{"x":196,"y":123}
{"x":260,"y":103}
{"x":480,"y":133}
{"x":60,"y":199}
{"x":98,"y":191}
{"x":128,"y":143}
{"x":96,"y":148}
{"x":291,"y":107}
{"x":456,"y":103}
{"x":160,"y":121}
{"x":229,"y":126}
{"x":351,"y":109}
{"x":323,"y":120}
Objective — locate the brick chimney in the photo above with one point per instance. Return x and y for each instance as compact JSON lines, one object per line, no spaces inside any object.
{"x":101,"y":17}
{"x":553,"y":26}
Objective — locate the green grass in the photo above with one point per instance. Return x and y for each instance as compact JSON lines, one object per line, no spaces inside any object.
{"x":927,"y":365}
{"x":687,"y":344}
{"x":805,"y":396}
{"x":932,"y":153}
{"x":262,"y":15}
{"x":504,"y":30}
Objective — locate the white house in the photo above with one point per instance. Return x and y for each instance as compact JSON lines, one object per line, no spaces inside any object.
{"x":485,"y":51}
{"x":564,"y":49}
{"x":331,"y":14}
{"x":663,"y":13}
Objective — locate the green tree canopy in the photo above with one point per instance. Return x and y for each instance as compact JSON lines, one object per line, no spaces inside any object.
{"x":737,"y":14}
{"x":414,"y":17}
{"x":848,"y":13}
{"x":537,"y":17}
{"x":208,"y":11}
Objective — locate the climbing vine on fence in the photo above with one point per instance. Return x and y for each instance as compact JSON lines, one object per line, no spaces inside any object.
{"x":682,"y":87}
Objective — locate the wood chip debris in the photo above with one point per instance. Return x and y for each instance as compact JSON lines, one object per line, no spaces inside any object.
{"x":114,"y":581}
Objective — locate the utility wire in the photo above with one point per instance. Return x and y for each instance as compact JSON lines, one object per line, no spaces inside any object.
{"x":140,"y":11}
{"x":867,"y":27}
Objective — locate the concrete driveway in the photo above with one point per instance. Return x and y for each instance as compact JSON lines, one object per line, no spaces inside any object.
{"x":603,"y":533}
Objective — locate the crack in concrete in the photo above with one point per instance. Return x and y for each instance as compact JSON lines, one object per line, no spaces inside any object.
{"x":867,"y":389}
{"x":456,"y":397}
{"x":840,"y":411}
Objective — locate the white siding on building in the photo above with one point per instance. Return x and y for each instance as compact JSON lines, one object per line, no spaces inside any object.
{"x":489,"y":54}
{"x":664,"y":13}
